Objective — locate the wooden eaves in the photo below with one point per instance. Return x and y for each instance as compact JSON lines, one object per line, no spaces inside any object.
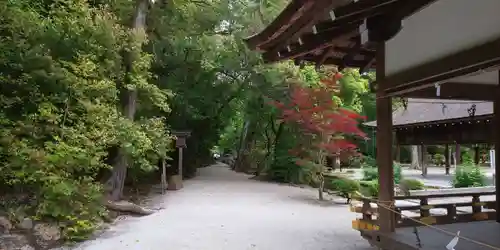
{"x":329,"y":31}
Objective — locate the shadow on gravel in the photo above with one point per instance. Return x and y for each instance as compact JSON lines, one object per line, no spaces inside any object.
{"x":313,"y":200}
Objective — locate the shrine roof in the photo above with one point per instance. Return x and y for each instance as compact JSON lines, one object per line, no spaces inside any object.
{"x":421,"y":111}
{"x":327,"y":31}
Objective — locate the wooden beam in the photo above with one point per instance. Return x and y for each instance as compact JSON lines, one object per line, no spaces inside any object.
{"x":368,"y":65}
{"x":362,"y":51}
{"x":328,"y":31}
{"x":285,"y":19}
{"x":354,"y":50}
{"x":456,"y":91}
{"x":496,"y":141}
{"x":318,"y":11}
{"x":344,"y":16}
{"x":313,"y":43}
{"x":463,"y":63}
{"x":386,"y":218}
{"x":323,"y":57}
{"x":338,"y":61}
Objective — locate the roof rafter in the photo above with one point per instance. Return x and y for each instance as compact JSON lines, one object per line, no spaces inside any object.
{"x":305,"y":23}
{"x":285,"y":19}
{"x":458,"y":91}
{"x":314,"y":43}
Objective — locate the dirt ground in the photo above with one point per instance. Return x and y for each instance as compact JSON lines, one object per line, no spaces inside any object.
{"x":223,"y":210}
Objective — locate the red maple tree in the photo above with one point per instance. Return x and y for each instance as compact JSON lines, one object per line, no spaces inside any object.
{"x":327,"y":125}
{"x":315,"y":110}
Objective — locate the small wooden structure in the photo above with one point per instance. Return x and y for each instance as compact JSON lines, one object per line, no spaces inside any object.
{"x":422,"y":122}
{"x":419,"y":48}
{"x":175,"y":181}
{"x":438,"y":121}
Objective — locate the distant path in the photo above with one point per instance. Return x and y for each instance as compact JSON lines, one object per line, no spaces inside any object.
{"x":435,"y":176}
{"x":223,"y":210}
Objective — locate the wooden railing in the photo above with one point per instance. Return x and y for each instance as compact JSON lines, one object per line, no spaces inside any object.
{"x":455,"y":205}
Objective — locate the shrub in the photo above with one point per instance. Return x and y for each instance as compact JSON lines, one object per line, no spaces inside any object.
{"x":438,"y":159}
{"x":345,"y":186}
{"x":369,"y":188}
{"x":398,"y":171}
{"x":468,"y":176}
{"x":371,"y":173}
{"x":355,"y":162}
{"x":413,"y":184}
{"x":368,"y":161}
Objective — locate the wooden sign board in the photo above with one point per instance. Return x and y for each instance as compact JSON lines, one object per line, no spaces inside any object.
{"x":181,"y":136}
{"x":180,"y":142}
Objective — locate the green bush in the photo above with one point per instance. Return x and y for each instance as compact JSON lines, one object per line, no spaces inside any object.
{"x":368,"y":161}
{"x":371,"y":173}
{"x":438,"y":159}
{"x":468,"y":176}
{"x":413,"y":184}
{"x":345,"y":187}
{"x":398,"y":171}
{"x":355,"y":162}
{"x":369,"y":188}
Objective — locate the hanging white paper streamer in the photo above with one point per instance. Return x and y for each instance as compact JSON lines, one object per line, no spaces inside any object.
{"x":438,"y":89}
{"x":453,"y":243}
{"x":332,"y":15}
{"x":363,"y":31}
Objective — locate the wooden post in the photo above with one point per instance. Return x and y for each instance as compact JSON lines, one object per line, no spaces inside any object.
{"x":447,"y":159}
{"x":424,"y":161}
{"x":476,"y":155}
{"x":180,"y":163}
{"x":163,"y":176}
{"x":496,"y":141}
{"x":458,"y":155}
{"x":386,"y":218}
{"x":175,"y":181}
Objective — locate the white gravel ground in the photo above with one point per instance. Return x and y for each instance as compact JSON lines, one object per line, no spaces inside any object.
{"x":223,"y":210}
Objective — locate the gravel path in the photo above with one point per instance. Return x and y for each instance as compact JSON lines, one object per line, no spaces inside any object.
{"x":223,"y":210}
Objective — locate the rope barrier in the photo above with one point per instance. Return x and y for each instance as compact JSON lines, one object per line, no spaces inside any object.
{"x":380,"y":204}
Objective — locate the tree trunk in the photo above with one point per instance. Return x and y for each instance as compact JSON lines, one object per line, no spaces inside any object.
{"x":415,"y":163}
{"x":128,"y":99}
{"x":321,"y":185}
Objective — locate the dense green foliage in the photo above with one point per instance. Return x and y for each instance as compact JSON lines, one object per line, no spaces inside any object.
{"x":72,"y":72}
{"x":468,"y":175}
{"x":369,"y":188}
{"x":371,"y":173}
{"x":412,"y":184}
{"x":346,"y":187}
{"x":83,"y":91}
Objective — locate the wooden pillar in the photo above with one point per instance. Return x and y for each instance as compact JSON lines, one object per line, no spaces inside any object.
{"x":423,"y":159}
{"x":476,"y":155}
{"x":386,"y":218}
{"x":447,"y":159}
{"x":180,"y":164}
{"x":458,"y":155}
{"x":496,"y":141}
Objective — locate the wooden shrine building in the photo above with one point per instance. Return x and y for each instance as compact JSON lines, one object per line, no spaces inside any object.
{"x":423,"y":122}
{"x":440,"y":49}
{"x":437,"y":121}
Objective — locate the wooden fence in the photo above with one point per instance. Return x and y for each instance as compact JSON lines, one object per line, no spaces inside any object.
{"x":432,"y":207}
